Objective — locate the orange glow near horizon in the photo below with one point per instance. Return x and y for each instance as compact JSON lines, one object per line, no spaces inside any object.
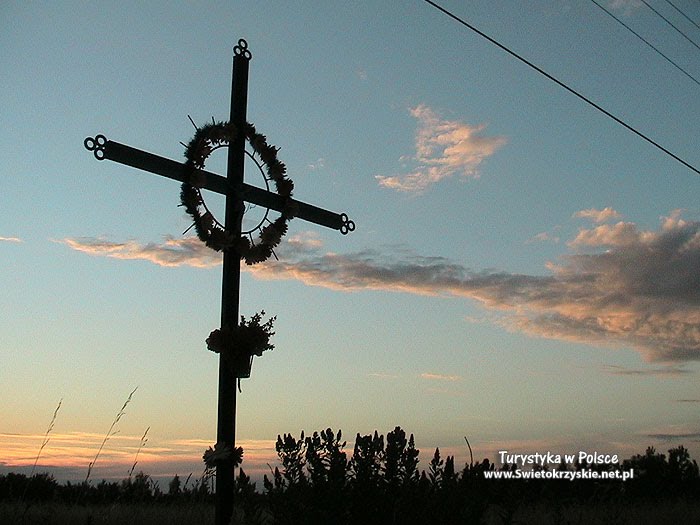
{"x":74,"y":452}
{"x":67,"y":456}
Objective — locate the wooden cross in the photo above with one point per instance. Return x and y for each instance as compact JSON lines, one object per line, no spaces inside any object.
{"x":237,"y":192}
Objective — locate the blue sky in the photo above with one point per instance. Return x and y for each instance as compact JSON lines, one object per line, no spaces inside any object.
{"x":523,"y":270}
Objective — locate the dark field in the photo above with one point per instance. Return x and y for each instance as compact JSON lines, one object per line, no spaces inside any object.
{"x":573,"y":514}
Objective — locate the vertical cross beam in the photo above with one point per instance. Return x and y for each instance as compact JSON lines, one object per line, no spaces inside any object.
{"x":237,"y":192}
{"x":226,"y":421}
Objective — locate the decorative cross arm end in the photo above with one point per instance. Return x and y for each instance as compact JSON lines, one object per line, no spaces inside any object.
{"x":347,"y":226}
{"x":96,"y":145}
{"x":242,"y":49}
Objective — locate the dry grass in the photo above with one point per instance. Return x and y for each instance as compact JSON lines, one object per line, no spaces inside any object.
{"x":111,"y":432}
{"x":671,"y":512}
{"x":113,"y":514}
{"x":200,"y":513}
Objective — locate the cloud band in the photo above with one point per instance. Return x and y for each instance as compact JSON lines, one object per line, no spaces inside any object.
{"x":621,"y":286}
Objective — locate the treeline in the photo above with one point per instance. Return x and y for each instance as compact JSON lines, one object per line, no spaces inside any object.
{"x":140,"y":488}
{"x":379,"y":482}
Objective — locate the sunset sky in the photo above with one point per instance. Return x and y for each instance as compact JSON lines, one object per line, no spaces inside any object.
{"x":524,"y":270}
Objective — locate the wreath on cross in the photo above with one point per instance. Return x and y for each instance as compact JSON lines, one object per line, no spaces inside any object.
{"x":209,"y":230}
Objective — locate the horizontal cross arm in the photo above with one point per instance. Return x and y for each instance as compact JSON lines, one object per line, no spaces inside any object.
{"x":302,"y":210}
{"x":143,"y":160}
{"x":136,"y":158}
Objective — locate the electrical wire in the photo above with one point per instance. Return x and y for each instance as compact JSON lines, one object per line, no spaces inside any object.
{"x":670,"y":23}
{"x":682,"y":13}
{"x":640,"y":37}
{"x":561,"y":84}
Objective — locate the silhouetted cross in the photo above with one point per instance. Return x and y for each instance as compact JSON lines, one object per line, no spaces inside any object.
{"x":237,"y":192}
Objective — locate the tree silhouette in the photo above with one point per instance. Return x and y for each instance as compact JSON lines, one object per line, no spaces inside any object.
{"x":400,"y":458}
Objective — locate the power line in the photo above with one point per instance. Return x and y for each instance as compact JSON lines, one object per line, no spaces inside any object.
{"x":640,"y":37}
{"x":561,"y":84}
{"x":670,"y":23}
{"x":682,"y":13}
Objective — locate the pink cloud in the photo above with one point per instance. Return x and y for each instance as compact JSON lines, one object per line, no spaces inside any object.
{"x":444,"y":149}
{"x":642,"y":291}
{"x":620,"y":234}
{"x":187,"y":251}
{"x":598,"y":216}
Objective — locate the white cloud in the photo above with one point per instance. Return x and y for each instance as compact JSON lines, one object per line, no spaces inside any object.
{"x":10,"y":239}
{"x":439,"y":377}
{"x":543,"y":237}
{"x":318,"y":164}
{"x":188,"y":251}
{"x":598,"y":216}
{"x":444,"y":149}
{"x":305,"y":240}
{"x":383,"y":375}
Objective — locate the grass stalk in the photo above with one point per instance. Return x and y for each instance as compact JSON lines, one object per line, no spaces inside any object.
{"x":144,"y":440}
{"x":41,"y":449}
{"x":46,"y":437}
{"x":471,"y":456}
{"x":111,"y":432}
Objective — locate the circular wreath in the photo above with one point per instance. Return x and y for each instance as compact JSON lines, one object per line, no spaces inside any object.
{"x":209,"y":230}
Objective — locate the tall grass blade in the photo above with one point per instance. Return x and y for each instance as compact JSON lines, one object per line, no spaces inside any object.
{"x":41,"y":449}
{"x":111,"y":432}
{"x":46,"y":437}
{"x":144,"y":440}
